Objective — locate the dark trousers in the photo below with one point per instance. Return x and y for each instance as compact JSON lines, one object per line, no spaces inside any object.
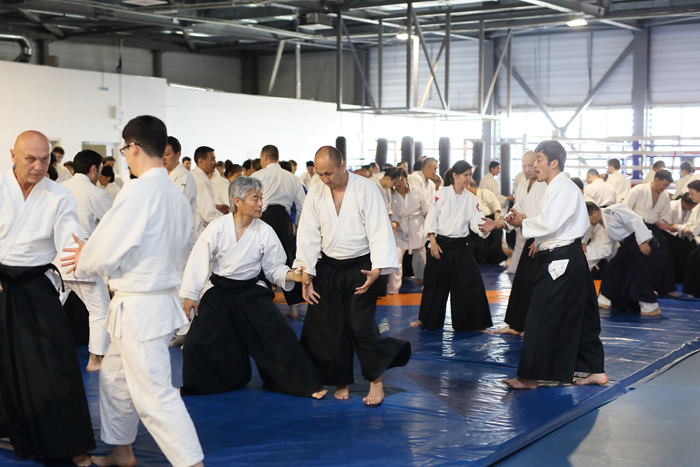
{"x":42,"y":397}
{"x":237,"y":320}
{"x":488,"y":250}
{"x":680,"y":249}
{"x":521,"y":291}
{"x":691,"y":281}
{"x":276,"y":217}
{"x":563,"y":325}
{"x":456,"y":275}
{"x":664,"y":276}
{"x":342,"y":323}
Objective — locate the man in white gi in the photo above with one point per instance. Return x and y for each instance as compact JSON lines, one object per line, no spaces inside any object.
{"x":185,"y":182}
{"x":618,"y":180}
{"x":687,"y":171}
{"x":679,"y":246}
{"x":42,"y":396}
{"x":422,"y":181}
{"x":345,"y":221}
{"x":146,"y":232}
{"x":207,"y":209}
{"x":309,"y":177}
{"x":93,"y":204}
{"x":563,"y":325}
{"x":487,"y":250}
{"x":658,"y":165}
{"x":489,"y":181}
{"x":63,"y":173}
{"x":282,"y":191}
{"x":602,"y":193}
{"x":111,"y":162}
{"x":187,"y":163}
{"x":220,"y":184}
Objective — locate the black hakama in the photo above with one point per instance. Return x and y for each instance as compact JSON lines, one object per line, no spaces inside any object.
{"x":680,"y":249}
{"x":488,"y":250}
{"x":563,"y":325}
{"x":343,"y":321}
{"x":238,"y":320}
{"x":455,"y":274}
{"x":691,"y":281}
{"x":664,"y":277}
{"x":521,"y":290}
{"x":42,"y":398}
{"x":276,"y":216}
{"x":628,"y":277}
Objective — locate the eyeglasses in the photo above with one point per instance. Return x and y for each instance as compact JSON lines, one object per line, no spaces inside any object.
{"x":123,"y":150}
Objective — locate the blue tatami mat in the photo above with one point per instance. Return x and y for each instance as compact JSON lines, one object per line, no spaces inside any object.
{"x":447,"y":407}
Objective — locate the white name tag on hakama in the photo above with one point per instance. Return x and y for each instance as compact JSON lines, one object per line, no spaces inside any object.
{"x":558,"y":268}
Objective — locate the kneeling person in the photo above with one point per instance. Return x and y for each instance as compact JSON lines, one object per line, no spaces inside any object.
{"x":236,"y":318}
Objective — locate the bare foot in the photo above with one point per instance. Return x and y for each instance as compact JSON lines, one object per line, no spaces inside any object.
{"x":419,"y":281}
{"x":594,"y":378}
{"x":656,"y":312}
{"x":521,"y":383}
{"x":674,"y":294}
{"x":83,"y":460}
{"x":508,"y":330}
{"x":486,"y":331}
{"x":319,"y":394}
{"x":292,"y":312}
{"x":342,"y":393}
{"x":603,"y":307}
{"x":416,"y":323}
{"x":376,"y":393}
{"x":94,"y":362}
{"x":121,"y":456}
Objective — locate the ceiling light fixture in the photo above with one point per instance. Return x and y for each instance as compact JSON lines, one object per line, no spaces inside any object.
{"x":576,"y":23}
{"x":402,"y":36}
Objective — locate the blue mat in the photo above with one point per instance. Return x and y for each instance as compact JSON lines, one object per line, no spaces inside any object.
{"x":446,"y":407}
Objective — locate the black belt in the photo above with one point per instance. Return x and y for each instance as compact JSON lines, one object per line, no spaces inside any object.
{"x":27,"y":273}
{"x":232,"y":285}
{"x":340,"y":263}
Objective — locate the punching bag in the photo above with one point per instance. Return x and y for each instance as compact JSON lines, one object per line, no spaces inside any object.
{"x":444,"y":149}
{"x":408,"y":152}
{"x":341,"y":145}
{"x":478,"y":159}
{"x":382,"y":150}
{"x":506,"y":189}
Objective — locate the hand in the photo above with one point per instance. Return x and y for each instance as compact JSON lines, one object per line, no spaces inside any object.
{"x":435,"y":249}
{"x":222,"y":208}
{"x":0,"y":287}
{"x":511,"y":198}
{"x":488,"y":225}
{"x":372,"y":276}
{"x":645,"y":248}
{"x":307,"y":289}
{"x":514,"y":218}
{"x":663,"y":225}
{"x":188,"y":306}
{"x":395,"y":227}
{"x":585,"y":248}
{"x":687,"y":233}
{"x":71,"y":262}
{"x":293,"y":275}
{"x":533,"y":250}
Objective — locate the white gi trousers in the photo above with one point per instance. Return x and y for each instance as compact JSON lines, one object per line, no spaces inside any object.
{"x":418,"y":263}
{"x":95,"y":296}
{"x":136,"y":382}
{"x":517,"y":251}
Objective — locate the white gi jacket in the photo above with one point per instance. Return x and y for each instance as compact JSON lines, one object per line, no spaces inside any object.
{"x":206,"y":205}
{"x":239,"y":260}
{"x":453,"y":215}
{"x":362,"y":227}
{"x":682,"y":185}
{"x":410,"y":213}
{"x":622,"y":186}
{"x":620,"y":222}
{"x":93,"y":203}
{"x":112,"y":189}
{"x":138,"y":245}
{"x":488,"y":202}
{"x":282,"y":188}
{"x":601,"y":193}
{"x":220,"y":185}
{"x":601,"y":246}
{"x":185,"y":182}
{"x":427,"y":187}
{"x":489,"y":183}
{"x":693,"y":222}
{"x":639,"y":199}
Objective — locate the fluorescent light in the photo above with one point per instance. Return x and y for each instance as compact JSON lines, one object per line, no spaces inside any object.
{"x":576,"y":23}
{"x":402,"y":36}
{"x":145,"y":2}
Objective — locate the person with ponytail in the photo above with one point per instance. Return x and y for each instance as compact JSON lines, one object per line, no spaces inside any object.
{"x":451,"y":269}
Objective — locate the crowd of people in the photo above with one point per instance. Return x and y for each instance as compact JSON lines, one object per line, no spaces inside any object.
{"x":196,"y":248}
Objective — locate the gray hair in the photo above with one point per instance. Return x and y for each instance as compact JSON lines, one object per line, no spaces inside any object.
{"x":242,"y":187}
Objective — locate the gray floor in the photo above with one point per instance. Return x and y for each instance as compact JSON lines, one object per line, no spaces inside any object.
{"x":655,"y":426}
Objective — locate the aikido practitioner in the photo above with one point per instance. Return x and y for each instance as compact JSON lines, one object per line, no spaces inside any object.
{"x":652,"y":202}
{"x":346,"y":222}
{"x":282,"y":191}
{"x":422,"y":180}
{"x":679,"y":246}
{"x":618,"y":180}
{"x":628,"y":280}
{"x":42,"y":397}
{"x":451,"y":269}
{"x":601,"y":192}
{"x":487,"y":250}
{"x":528,"y":198}
{"x":563,"y":325}
{"x":93,"y":204}
{"x":488,"y":182}
{"x":207,"y":209}
{"x":236,"y":319}
{"x":146,"y":230}
{"x":687,"y":171}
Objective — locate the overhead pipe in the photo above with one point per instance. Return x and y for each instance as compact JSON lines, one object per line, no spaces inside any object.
{"x":26,"y":51}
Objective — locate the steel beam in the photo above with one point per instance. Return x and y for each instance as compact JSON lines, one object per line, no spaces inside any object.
{"x":275,"y":67}
{"x":380,"y":64}
{"x":430,"y":63}
{"x":640,"y":93}
{"x":297,"y":57}
{"x":480,"y":96}
{"x":339,"y":61}
{"x":359,"y":65}
{"x":509,"y":69}
{"x":498,"y":68}
{"x":409,"y":52}
{"x":570,"y":5}
{"x":448,"y":38}
{"x":429,"y":83}
{"x":531,"y":94}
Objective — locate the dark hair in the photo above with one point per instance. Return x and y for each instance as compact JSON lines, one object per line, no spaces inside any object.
{"x":248,"y":164}
{"x":232,"y":169}
{"x":110,"y":159}
{"x":373,"y":165}
{"x":664,"y":174}
{"x":694,"y":185}
{"x":271,"y":151}
{"x":220,"y":164}
{"x":70,"y":164}
{"x":473,"y":183}
{"x":592,"y":207}
{"x":185,"y":159}
{"x":392,"y":173}
{"x":256,"y":165}
{"x":149,"y":133}
{"x":53,"y":173}
{"x":84,"y":160}
{"x":53,"y":159}
{"x":593,"y":172}
{"x":309,"y":163}
{"x":174,"y":144}
{"x":367,"y":167}
{"x":387,"y":165}
{"x":659,"y":164}
{"x":335,"y":155}
{"x":459,"y":167}
{"x":493,"y":165}
{"x":418,"y":165}
{"x":428,"y":160}
{"x":59,"y":150}
{"x":286,"y":165}
{"x":686,"y":197}
{"x":107,"y":171}
{"x":293,"y":162}
{"x":688,"y":167}
{"x":553,"y":151}
{"x":615,"y":163}
{"x":201,"y":153}
{"x":397,"y":172}
{"x":578,"y":182}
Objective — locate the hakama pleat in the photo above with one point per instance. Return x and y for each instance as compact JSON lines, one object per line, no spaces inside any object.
{"x":276,"y":216}
{"x":488,"y":250}
{"x":691,"y":281}
{"x":563,"y":324}
{"x":455,"y":274}
{"x":238,"y":320}
{"x":42,"y":398}
{"x":664,"y":277}
{"x":521,"y":290}
{"x":342,"y":323}
{"x":628,"y":278}
{"x":680,"y":249}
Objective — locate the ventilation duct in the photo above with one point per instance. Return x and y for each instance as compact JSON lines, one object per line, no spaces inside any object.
{"x":26,"y":47}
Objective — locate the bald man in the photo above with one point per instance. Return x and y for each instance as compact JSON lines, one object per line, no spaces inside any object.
{"x":42,"y":397}
{"x":345,"y":221}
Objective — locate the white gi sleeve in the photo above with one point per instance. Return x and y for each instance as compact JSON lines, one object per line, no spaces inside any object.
{"x":308,"y":236}
{"x":274,"y":260}
{"x":197,"y":270}
{"x":380,"y":235}
{"x":477,"y":218}
{"x":206,"y":204}
{"x":601,"y":246}
{"x":299,"y":200}
{"x":632,"y":219}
